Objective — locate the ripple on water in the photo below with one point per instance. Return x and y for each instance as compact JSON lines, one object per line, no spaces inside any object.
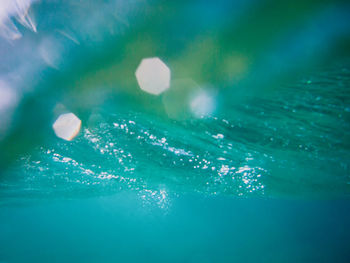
{"x":294,"y":142}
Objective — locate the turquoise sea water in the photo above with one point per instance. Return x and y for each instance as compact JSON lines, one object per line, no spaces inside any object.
{"x":293,"y":143}
{"x":195,"y":228}
{"x":259,"y":173}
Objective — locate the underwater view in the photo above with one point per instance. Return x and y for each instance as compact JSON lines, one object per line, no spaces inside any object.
{"x":174,"y":131}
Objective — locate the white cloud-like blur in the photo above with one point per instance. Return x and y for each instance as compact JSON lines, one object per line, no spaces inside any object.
{"x":8,"y":101}
{"x":18,"y":9}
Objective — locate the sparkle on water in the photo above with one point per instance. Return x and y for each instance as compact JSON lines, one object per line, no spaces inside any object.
{"x":291,"y":142}
{"x":241,"y":154}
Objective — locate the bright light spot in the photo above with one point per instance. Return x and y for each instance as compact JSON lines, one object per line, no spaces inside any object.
{"x":67,"y":126}
{"x":153,"y":76}
{"x":202,"y":104}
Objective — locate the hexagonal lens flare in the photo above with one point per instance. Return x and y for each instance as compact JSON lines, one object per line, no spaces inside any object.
{"x":67,"y":126}
{"x":153,"y":76}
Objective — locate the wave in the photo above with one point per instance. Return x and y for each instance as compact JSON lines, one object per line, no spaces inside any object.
{"x":293,"y":143}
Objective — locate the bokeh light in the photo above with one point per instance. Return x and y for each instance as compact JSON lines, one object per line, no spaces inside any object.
{"x":153,"y":76}
{"x":67,"y":126}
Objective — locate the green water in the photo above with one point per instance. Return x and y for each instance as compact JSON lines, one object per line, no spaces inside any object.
{"x":262,"y":176}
